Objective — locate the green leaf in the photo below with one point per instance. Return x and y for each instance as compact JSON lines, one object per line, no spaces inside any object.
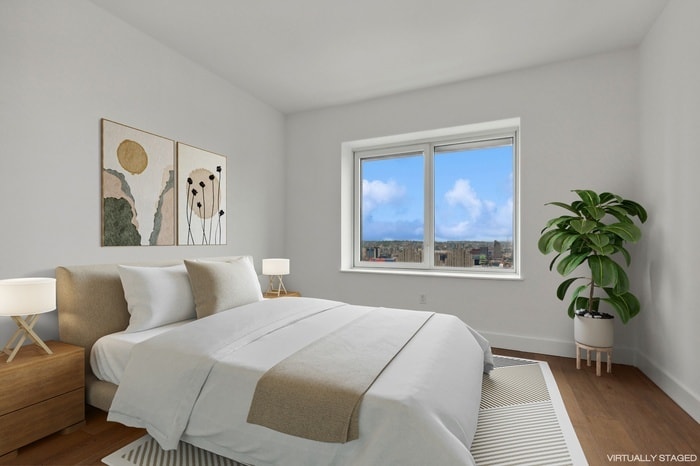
{"x":546,"y":241}
{"x":622,"y":285}
{"x":568,"y":242}
{"x":614,"y":249}
{"x":608,"y":250}
{"x":626,"y":254}
{"x":580,"y":245}
{"x":577,"y":292}
{"x":595,"y":212}
{"x":564,"y":219}
{"x":635,"y":208}
{"x":563,"y":242}
{"x":564,"y":287}
{"x":605,"y":250}
{"x":599,"y":240}
{"x":603,"y":270}
{"x":570,"y":263}
{"x":583,"y":226}
{"x":578,"y":206}
{"x":619,"y":213}
{"x":590,"y":198}
{"x":551,"y":264}
{"x":563,"y":206}
{"x":626,"y":231}
{"x":607,"y":197}
{"x":626,"y":305}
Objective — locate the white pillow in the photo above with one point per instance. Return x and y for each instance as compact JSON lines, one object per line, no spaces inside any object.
{"x":220,"y":286}
{"x":156,"y":295}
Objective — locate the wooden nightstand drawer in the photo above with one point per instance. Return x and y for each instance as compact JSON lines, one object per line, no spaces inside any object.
{"x":28,"y":424}
{"x":41,"y":393}
{"x":34,"y":376}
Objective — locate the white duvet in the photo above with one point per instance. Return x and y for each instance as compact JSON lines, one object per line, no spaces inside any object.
{"x":195,"y":383}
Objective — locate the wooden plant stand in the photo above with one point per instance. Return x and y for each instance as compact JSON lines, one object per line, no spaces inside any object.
{"x":598,"y":350}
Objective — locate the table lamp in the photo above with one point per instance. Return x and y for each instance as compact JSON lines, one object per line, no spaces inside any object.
{"x":275,"y":268}
{"x":24,"y":299}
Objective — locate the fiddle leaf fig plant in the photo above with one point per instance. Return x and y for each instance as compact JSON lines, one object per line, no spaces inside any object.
{"x":593,"y":233}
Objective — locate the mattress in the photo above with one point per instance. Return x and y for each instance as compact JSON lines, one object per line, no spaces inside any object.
{"x":110,"y":354}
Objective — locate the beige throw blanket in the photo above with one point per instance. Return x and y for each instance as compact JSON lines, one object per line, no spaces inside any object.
{"x":316,"y":392}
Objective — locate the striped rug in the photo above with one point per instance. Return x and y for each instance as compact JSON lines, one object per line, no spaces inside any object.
{"x":522,"y":418}
{"x":522,"y":421}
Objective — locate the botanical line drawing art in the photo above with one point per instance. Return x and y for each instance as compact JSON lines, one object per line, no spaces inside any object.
{"x":202,"y":198}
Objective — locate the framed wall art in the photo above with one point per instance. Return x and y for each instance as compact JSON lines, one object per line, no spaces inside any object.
{"x":201,"y":184}
{"x":138,"y":187}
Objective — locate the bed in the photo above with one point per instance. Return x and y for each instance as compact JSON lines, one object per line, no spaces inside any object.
{"x":199,"y":378}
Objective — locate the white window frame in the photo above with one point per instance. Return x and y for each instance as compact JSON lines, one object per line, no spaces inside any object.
{"x":353,"y":152}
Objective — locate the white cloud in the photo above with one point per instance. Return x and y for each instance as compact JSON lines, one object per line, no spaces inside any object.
{"x":503,"y":216}
{"x":460,"y":230}
{"x":478,"y":219}
{"x":376,"y":192}
{"x":462,"y":194}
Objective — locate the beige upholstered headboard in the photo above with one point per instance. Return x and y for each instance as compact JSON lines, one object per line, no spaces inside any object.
{"x":90,"y":303}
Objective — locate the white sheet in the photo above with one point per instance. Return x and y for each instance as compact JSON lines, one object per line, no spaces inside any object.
{"x":421,"y":410}
{"x":110,"y":354}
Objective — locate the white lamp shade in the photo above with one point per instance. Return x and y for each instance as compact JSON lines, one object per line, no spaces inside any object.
{"x":275,"y":266}
{"x":26,"y":296}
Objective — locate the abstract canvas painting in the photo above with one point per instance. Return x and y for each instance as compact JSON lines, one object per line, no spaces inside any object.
{"x":138,"y":187}
{"x":201,"y":196}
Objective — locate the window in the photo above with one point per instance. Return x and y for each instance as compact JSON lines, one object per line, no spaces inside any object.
{"x":434,"y":202}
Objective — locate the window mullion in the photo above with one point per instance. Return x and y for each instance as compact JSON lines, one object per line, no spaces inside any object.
{"x":429,"y":209}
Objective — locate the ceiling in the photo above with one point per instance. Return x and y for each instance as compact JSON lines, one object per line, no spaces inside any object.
{"x":298,"y":55}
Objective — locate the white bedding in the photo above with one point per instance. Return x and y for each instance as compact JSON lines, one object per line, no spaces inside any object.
{"x":195,"y":383}
{"x":110,"y":354}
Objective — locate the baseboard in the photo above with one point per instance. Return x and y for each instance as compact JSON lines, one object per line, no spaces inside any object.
{"x":682,"y":395}
{"x":564,"y":348}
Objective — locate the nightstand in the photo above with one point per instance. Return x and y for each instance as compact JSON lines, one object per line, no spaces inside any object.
{"x":41,"y":394}
{"x":273,"y":294}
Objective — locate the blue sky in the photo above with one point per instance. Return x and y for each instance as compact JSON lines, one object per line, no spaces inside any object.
{"x":473,"y":196}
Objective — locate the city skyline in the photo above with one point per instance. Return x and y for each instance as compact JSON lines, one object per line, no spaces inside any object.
{"x":459,"y":254}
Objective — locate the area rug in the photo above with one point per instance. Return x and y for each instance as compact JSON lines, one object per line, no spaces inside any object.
{"x":522,"y":420}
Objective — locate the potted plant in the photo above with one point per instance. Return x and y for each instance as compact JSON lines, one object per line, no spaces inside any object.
{"x":593,"y":234}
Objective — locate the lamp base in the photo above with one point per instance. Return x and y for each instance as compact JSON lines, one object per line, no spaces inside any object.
{"x":24,"y":329}
{"x":280,"y":286}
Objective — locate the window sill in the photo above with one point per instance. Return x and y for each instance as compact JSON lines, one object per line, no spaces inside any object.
{"x":436,"y":273}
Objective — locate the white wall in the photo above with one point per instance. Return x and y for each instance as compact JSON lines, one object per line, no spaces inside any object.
{"x":64,"y":66}
{"x":576,"y":117}
{"x":670,"y":163}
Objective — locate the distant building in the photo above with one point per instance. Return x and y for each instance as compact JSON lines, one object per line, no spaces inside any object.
{"x":497,"y":251}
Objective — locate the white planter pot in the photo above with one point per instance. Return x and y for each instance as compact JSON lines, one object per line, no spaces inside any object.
{"x":594,"y":332}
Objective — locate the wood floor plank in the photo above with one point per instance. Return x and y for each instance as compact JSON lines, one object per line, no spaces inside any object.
{"x":619,"y":413}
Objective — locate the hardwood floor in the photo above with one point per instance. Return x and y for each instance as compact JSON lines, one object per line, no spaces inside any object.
{"x":622,"y":413}
{"x":85,"y":446}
